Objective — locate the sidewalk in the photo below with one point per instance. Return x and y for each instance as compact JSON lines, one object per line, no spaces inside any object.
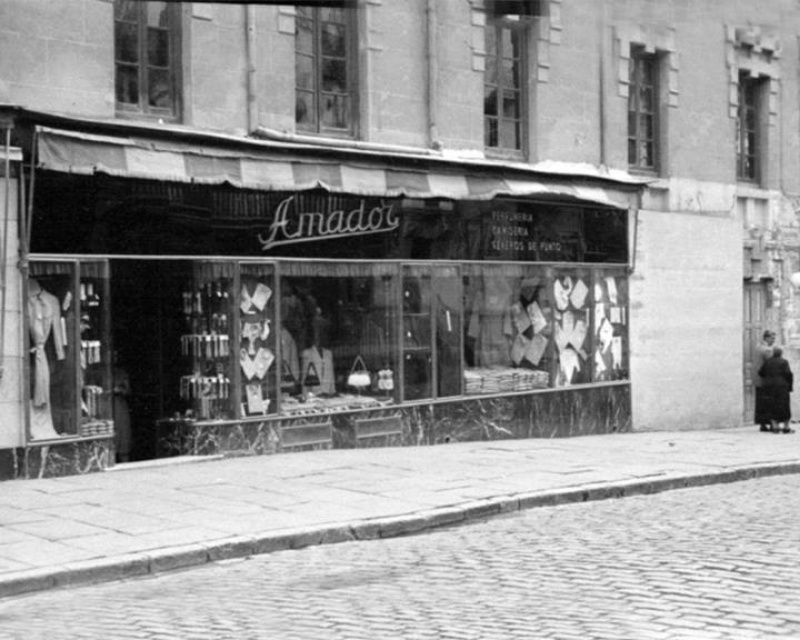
{"x":145,"y":518}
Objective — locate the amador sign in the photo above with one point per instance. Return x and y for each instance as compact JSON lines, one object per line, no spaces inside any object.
{"x":292,"y":225}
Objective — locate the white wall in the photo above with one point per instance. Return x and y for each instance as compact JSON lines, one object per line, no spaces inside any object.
{"x":686,"y":321}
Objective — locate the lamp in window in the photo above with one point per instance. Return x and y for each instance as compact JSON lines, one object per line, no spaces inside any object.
{"x":795,"y":279}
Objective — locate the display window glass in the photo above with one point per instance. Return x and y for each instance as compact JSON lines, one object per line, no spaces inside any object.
{"x":205,"y":387}
{"x":535,"y":326}
{"x":258,"y":339}
{"x":610,"y":350}
{"x":71,"y":383}
{"x":339,"y":325}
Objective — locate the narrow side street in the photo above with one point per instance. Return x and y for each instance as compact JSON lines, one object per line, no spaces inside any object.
{"x":719,"y":562}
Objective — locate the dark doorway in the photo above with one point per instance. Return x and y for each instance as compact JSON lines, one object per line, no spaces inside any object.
{"x":146,"y":329}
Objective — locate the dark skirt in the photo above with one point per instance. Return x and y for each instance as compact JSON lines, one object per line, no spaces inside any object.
{"x":776,"y":403}
{"x":762,"y":406}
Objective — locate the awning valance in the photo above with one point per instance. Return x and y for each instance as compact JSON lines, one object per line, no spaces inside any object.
{"x":255,"y":165}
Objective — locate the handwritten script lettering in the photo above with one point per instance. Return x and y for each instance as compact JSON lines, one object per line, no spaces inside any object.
{"x":292,"y":226}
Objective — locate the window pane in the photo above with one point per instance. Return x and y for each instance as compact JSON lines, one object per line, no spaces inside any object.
{"x":304,"y":35}
{"x":157,"y":14}
{"x":646,"y":99}
{"x":334,"y":75}
{"x":333,"y":40}
{"x":632,"y":159}
{"x":343,"y":330}
{"x":332,"y":14}
{"x":491,"y":41}
{"x":157,"y":48}
{"x":609,"y":344}
{"x":490,"y":101}
{"x":647,"y":129}
{"x":417,"y":333}
{"x":126,"y":43}
{"x":511,"y":104}
{"x":334,"y":111}
{"x":127,"y":10}
{"x":448,"y":305}
{"x":127,"y":84}
{"x":509,"y":317}
{"x":160,"y":93}
{"x":490,"y":131}
{"x":57,"y":334}
{"x":304,"y":72}
{"x":258,"y":349}
{"x":647,"y":154}
{"x":509,"y":134}
{"x":305,"y":109}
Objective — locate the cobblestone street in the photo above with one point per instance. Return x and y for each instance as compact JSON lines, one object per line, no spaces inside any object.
{"x":720,"y":562}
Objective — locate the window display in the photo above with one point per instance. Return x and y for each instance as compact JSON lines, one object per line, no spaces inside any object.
{"x":257,"y":349}
{"x":338,"y":328}
{"x":205,"y":345}
{"x":70,"y":366}
{"x":610,"y":353}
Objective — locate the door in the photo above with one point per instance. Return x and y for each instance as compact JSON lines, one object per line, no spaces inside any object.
{"x":755,"y":306}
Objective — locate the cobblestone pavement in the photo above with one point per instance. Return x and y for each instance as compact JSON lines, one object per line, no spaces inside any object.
{"x":718,"y":562}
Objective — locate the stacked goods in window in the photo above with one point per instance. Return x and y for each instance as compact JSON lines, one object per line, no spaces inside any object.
{"x":95,"y":394}
{"x":256,"y":351}
{"x":206,"y":346}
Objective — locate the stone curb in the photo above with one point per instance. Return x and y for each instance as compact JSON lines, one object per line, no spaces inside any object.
{"x":182,"y":557}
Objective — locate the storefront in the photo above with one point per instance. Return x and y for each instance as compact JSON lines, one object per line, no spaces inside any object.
{"x":197,"y":295}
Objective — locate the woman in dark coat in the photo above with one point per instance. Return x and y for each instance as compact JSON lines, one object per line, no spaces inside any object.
{"x":778,"y":383}
{"x":763,"y":353}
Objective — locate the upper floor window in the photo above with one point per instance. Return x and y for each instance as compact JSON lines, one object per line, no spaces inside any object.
{"x":146,"y":57}
{"x":643,"y":110}
{"x":325,"y":70}
{"x":747,"y":134}
{"x":503,"y":88}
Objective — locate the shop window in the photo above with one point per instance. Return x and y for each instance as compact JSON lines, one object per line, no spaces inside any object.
{"x":325,"y":73}
{"x":748,"y":138}
{"x":534,"y":327}
{"x":643,"y":110}
{"x":504,"y":93}
{"x":339,"y":335}
{"x":610,"y":357}
{"x":206,"y":382}
{"x":71,"y":384}
{"x":146,"y":52}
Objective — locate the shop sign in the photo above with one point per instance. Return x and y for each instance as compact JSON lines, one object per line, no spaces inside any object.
{"x":292,"y":226}
{"x":518,"y":235}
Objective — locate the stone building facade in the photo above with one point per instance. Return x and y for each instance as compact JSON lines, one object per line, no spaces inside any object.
{"x":683,"y":115}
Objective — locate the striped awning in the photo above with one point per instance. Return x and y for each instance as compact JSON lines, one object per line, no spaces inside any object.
{"x":263,"y":166}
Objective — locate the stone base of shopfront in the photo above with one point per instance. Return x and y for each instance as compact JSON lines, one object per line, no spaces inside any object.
{"x":56,"y":459}
{"x":543,"y":414}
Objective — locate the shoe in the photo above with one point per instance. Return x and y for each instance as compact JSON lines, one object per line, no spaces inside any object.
{"x":788,"y":430}
{"x":764,"y":428}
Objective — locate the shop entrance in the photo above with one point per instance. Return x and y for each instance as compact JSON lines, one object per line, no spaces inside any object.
{"x":146,"y":326}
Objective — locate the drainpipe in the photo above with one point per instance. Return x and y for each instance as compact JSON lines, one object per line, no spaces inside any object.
{"x":601,"y":46}
{"x":433,"y":68}
{"x":252,"y":93}
{"x":4,"y":256}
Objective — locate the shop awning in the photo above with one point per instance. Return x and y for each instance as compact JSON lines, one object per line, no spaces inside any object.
{"x":254,"y":164}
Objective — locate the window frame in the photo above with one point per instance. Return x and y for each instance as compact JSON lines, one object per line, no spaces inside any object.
{"x":351,"y":91}
{"x":520,"y":30}
{"x":174,"y":68}
{"x":643,"y":76}
{"x":749,"y":151}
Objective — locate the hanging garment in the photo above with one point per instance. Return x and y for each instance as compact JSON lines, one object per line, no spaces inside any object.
{"x":44,"y":316}
{"x":316,"y":359}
